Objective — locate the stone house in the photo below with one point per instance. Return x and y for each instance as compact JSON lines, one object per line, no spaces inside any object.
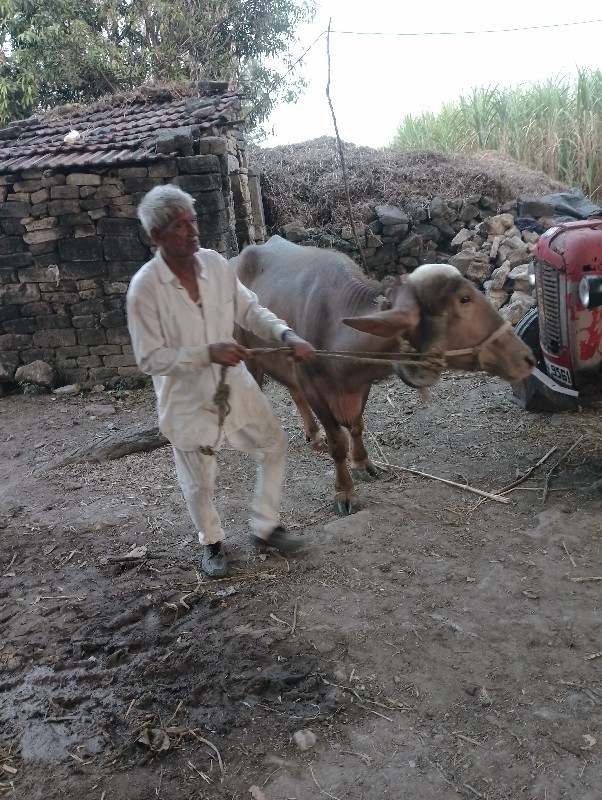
{"x":70,"y":180}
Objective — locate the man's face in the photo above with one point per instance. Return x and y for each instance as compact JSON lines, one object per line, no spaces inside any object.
{"x":180,"y":239}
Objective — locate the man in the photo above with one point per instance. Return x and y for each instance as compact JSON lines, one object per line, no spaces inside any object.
{"x":182,"y":306}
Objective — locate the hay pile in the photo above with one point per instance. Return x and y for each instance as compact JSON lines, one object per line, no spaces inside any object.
{"x":303,"y":182}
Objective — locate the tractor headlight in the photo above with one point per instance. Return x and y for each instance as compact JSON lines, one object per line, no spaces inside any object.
{"x":531,"y":273}
{"x":590,"y":291}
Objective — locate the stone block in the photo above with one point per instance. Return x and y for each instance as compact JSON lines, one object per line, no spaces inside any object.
{"x":19,"y":293}
{"x":132,"y":172}
{"x":163,"y":169}
{"x":8,"y":366}
{"x":194,"y":184}
{"x":38,"y":354}
{"x":90,"y":336}
{"x":123,"y":200}
{"x":118,"y":227}
{"x":21,"y":325}
{"x":97,"y":213}
{"x":12,"y":227}
{"x":28,"y":186}
{"x":113,"y":319}
{"x":119,"y":361}
{"x":8,"y":276}
{"x":87,"y":191}
{"x":109,"y":191}
{"x":44,"y":249}
{"x":89,"y":361}
{"x":141,"y":184}
{"x":91,"y":294}
{"x":85,"y":321}
{"x":58,"y":207}
{"x":43,"y":224}
{"x":125,"y":248}
{"x":132,"y":372}
{"x":72,"y":351}
{"x":81,"y":249}
{"x":93,"y":203}
{"x":52,"y":179}
{"x":125,"y":212}
{"x":39,"y":197}
{"x":84,"y":231}
{"x":14,"y":210}
{"x":64,"y":192}
{"x":97,"y":374}
{"x":80,"y":218}
{"x":11,"y":244}
{"x":197,"y":165}
{"x":83,"y":179}
{"x":60,"y":337}
{"x":115,"y":287}
{"x":43,"y":236}
{"x":39,"y":210}
{"x":14,"y":341}
{"x":36,"y":275}
{"x":123,"y":270}
{"x":55,"y":321}
{"x":117,"y":336}
{"x":9,"y":312}
{"x":88,"y":307}
{"x":39,"y":309}
{"x":39,"y":372}
{"x":106,"y":350}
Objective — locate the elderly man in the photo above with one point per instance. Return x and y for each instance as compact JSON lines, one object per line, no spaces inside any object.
{"x":182,"y":306}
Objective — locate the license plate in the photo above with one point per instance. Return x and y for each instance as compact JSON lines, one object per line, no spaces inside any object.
{"x":559,"y":373}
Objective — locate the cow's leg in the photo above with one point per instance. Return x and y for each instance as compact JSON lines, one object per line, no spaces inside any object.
{"x":345,"y":499}
{"x":362,"y":463}
{"x":313,"y":433}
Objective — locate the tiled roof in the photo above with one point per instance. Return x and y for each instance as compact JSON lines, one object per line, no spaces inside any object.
{"x":117,"y":130}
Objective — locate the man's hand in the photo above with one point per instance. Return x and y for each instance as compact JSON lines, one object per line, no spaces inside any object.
{"x":300,"y":349}
{"x":228,"y":354}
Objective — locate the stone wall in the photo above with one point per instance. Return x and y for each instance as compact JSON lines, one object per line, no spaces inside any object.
{"x":490,"y":244}
{"x":70,"y":242}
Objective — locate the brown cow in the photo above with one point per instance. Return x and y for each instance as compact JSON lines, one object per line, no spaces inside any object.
{"x":315,"y":291}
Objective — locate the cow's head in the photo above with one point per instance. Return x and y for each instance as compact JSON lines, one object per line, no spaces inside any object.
{"x":439,"y":310}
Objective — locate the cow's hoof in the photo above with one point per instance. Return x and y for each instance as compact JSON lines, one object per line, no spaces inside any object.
{"x":319,"y":443}
{"x":343,"y":508}
{"x":368,"y":473}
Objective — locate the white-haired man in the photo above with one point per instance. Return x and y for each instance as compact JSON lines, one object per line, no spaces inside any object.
{"x":182,"y":306}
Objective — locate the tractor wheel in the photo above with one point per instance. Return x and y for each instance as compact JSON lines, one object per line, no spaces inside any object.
{"x":537,"y":391}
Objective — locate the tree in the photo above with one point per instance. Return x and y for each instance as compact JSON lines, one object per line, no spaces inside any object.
{"x":69,"y":51}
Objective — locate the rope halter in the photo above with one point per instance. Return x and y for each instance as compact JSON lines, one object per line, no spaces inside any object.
{"x":476,"y":350}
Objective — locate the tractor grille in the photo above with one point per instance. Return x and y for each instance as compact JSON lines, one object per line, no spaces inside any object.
{"x":548,"y":302}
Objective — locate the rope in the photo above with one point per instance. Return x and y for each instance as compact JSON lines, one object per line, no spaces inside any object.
{"x":221,"y":398}
{"x":426,"y":358}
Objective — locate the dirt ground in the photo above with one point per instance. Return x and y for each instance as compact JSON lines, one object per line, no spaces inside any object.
{"x":437,"y":644}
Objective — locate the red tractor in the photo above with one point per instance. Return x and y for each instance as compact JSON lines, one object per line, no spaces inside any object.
{"x":565,"y":329}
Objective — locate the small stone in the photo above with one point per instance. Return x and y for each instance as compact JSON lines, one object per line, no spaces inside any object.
{"x":72,"y":388}
{"x":304,"y":739}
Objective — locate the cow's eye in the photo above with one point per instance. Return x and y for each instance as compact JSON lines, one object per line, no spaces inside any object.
{"x":465,"y":299}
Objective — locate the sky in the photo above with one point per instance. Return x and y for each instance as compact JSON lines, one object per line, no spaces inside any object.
{"x":375,"y":80}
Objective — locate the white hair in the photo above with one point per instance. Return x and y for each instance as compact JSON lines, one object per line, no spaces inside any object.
{"x":427,"y":272}
{"x":156,"y":209}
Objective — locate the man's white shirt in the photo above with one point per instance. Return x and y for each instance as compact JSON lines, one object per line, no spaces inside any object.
{"x":171,"y":335}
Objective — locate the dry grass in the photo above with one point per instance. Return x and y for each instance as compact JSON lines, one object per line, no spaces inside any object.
{"x":303,"y":182}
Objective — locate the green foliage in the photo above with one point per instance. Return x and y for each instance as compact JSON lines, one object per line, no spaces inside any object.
{"x":69,"y":51}
{"x":554,"y":126}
